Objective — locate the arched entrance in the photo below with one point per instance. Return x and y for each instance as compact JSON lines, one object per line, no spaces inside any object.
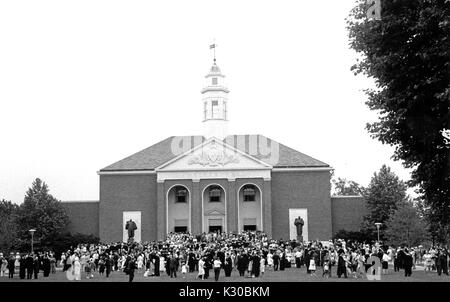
{"x":178,"y":202}
{"x":214,"y":204}
{"x":250,"y":208}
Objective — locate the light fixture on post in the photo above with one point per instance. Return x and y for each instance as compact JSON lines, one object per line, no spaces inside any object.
{"x":32,"y":234}
{"x":378,"y":224}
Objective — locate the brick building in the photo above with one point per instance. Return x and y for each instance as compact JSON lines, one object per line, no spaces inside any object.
{"x":216,"y":182}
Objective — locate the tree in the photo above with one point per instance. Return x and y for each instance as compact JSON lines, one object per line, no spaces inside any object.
{"x":344,"y":187}
{"x":8,"y":226}
{"x":382,"y":196}
{"x":41,"y":211}
{"x":407,"y":53}
{"x":64,"y":241}
{"x":405,"y":226}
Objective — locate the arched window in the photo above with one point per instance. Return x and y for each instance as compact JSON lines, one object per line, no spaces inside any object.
{"x":249,"y":193}
{"x":180,"y":194}
{"x":214,"y":194}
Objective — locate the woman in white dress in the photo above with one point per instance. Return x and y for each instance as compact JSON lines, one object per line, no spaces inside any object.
{"x":270,"y":259}
{"x":3,"y":266}
{"x":428,"y":262}
{"x":17,"y":262}
{"x":262,"y":266}
{"x":312,"y":267}
{"x":162,"y":264}
{"x":360,"y":269}
{"x":63,"y":260}
{"x":201,"y":269}
{"x":77,"y":268}
{"x":250,"y":267}
{"x":140,"y":262}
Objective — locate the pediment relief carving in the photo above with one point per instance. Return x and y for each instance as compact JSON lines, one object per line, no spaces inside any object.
{"x":214,"y":155}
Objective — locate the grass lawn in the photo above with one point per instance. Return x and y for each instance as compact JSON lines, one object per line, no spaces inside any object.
{"x":288,"y":275}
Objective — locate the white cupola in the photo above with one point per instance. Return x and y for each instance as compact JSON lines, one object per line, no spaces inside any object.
{"x":215,"y":97}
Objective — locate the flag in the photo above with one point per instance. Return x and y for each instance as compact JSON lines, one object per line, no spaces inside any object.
{"x":212,"y":46}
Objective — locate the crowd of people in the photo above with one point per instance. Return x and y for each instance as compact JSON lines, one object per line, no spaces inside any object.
{"x":248,"y":253}
{"x":28,"y":265}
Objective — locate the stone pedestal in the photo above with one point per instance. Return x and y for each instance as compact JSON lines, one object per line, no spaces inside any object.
{"x":300,"y":238}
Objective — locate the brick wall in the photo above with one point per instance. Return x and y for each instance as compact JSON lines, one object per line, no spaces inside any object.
{"x":301,"y":189}
{"x":119,"y":193}
{"x":83,"y":217}
{"x":309,"y":190}
{"x":347,"y":212}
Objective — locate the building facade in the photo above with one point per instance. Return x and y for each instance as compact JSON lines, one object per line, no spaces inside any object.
{"x":215,"y":182}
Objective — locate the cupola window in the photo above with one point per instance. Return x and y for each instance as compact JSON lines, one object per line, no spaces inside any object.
{"x":215,"y":109}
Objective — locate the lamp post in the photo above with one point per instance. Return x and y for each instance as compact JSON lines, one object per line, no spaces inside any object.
{"x":378,"y":224}
{"x":32,"y":234}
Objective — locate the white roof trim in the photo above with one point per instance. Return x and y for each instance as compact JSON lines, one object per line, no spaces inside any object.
{"x":137,"y":172}
{"x":80,"y":201}
{"x":348,"y":196}
{"x":309,"y":169}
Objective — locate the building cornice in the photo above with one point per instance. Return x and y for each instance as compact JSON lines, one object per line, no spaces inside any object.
{"x":306,"y":169}
{"x":148,"y":172}
{"x":349,"y":196}
{"x":214,"y":88}
{"x":128,"y":172}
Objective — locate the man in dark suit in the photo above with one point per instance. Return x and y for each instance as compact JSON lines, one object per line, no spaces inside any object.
{"x":221,"y":256}
{"x":130,"y":268}
{"x":22,"y":272}
{"x":46,"y":265}
{"x":241,"y":264}
{"x":29,"y":266}
{"x":208,"y":266}
{"x":11,"y":266}
{"x":156,"y":258}
{"x":307,"y":257}
{"x":256,"y":265}
{"x":173,"y":266}
{"x":36,"y":266}
{"x":228,"y":265}
{"x":282,"y":261}
{"x":441,"y":262}
{"x":408,"y":263}
{"x":191,"y":261}
{"x":276,"y":261}
{"x":108,"y":265}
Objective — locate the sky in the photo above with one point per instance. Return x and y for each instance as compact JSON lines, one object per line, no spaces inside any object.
{"x":84,"y":84}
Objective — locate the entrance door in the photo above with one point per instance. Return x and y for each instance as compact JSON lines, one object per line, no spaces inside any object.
{"x":215,"y":225}
{"x":215,"y":228}
{"x":250,"y":227}
{"x":180,"y":229}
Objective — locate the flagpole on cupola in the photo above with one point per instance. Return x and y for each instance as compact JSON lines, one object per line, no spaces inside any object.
{"x":215,"y":97}
{"x":213,"y":46}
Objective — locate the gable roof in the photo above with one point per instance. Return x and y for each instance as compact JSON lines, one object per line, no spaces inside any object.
{"x":288,"y":157}
{"x":160,"y":153}
{"x":209,"y":143}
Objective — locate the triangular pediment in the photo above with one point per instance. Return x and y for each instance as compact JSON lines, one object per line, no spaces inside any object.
{"x":214,"y":212}
{"x":213,"y":155}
